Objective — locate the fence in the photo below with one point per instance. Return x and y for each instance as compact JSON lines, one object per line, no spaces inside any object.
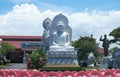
{"x":36,"y":73}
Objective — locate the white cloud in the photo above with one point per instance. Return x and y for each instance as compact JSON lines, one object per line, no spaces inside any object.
{"x":96,"y":23}
{"x":26,"y":19}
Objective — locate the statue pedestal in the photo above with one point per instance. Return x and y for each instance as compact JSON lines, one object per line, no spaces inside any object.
{"x":61,"y":48}
{"x":104,"y":62}
{"x":62,"y":58}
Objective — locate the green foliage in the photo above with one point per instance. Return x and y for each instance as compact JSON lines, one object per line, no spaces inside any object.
{"x":5,"y":47}
{"x":115,"y":48}
{"x":86,"y":45}
{"x":37,"y":59}
{"x":116,"y":34}
{"x":74,"y":43}
{"x":2,"y":66}
{"x":77,"y":68}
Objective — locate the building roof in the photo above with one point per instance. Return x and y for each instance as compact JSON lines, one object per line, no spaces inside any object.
{"x":17,"y":44}
{"x":21,"y":37}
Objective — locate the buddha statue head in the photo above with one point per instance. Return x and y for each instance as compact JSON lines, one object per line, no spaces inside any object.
{"x":60,"y":19}
{"x":60,"y":26}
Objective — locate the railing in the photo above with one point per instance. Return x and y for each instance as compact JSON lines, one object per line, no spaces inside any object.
{"x":36,"y":73}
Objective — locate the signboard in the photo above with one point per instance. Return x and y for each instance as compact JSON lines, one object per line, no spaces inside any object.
{"x":31,"y":45}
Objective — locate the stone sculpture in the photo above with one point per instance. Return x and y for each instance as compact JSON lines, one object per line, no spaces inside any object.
{"x":59,"y":47}
{"x":60,"y":34}
{"x":47,"y":23}
{"x":105,"y":44}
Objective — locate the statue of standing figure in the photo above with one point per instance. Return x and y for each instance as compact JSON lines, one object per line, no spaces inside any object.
{"x":105,"y":44}
{"x":47,"y":23}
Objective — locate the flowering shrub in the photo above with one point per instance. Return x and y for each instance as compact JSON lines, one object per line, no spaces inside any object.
{"x":37,"y":60}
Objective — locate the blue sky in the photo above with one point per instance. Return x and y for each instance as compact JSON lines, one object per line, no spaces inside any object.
{"x":86,"y":17}
{"x":75,"y":5}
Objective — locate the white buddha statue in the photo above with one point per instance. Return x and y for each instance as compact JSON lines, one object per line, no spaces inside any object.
{"x":60,"y":37}
{"x":60,"y":34}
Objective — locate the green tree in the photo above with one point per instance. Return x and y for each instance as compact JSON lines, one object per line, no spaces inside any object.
{"x":4,"y":48}
{"x":113,"y":49}
{"x":116,"y":35}
{"x":37,"y":59}
{"x":86,"y":45}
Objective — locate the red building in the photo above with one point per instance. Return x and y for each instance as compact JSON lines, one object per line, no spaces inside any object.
{"x":29,"y":42}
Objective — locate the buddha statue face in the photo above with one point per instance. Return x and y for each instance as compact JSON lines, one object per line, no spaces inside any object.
{"x":60,"y":26}
{"x":47,"y":23}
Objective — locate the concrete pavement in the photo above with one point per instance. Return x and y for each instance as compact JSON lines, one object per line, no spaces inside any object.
{"x":16,"y":66}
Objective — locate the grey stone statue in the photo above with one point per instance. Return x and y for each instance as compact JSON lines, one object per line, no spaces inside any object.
{"x":47,"y":23}
{"x":60,"y":34}
{"x":105,"y":44}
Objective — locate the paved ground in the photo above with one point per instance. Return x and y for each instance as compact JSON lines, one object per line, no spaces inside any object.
{"x":16,"y":66}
